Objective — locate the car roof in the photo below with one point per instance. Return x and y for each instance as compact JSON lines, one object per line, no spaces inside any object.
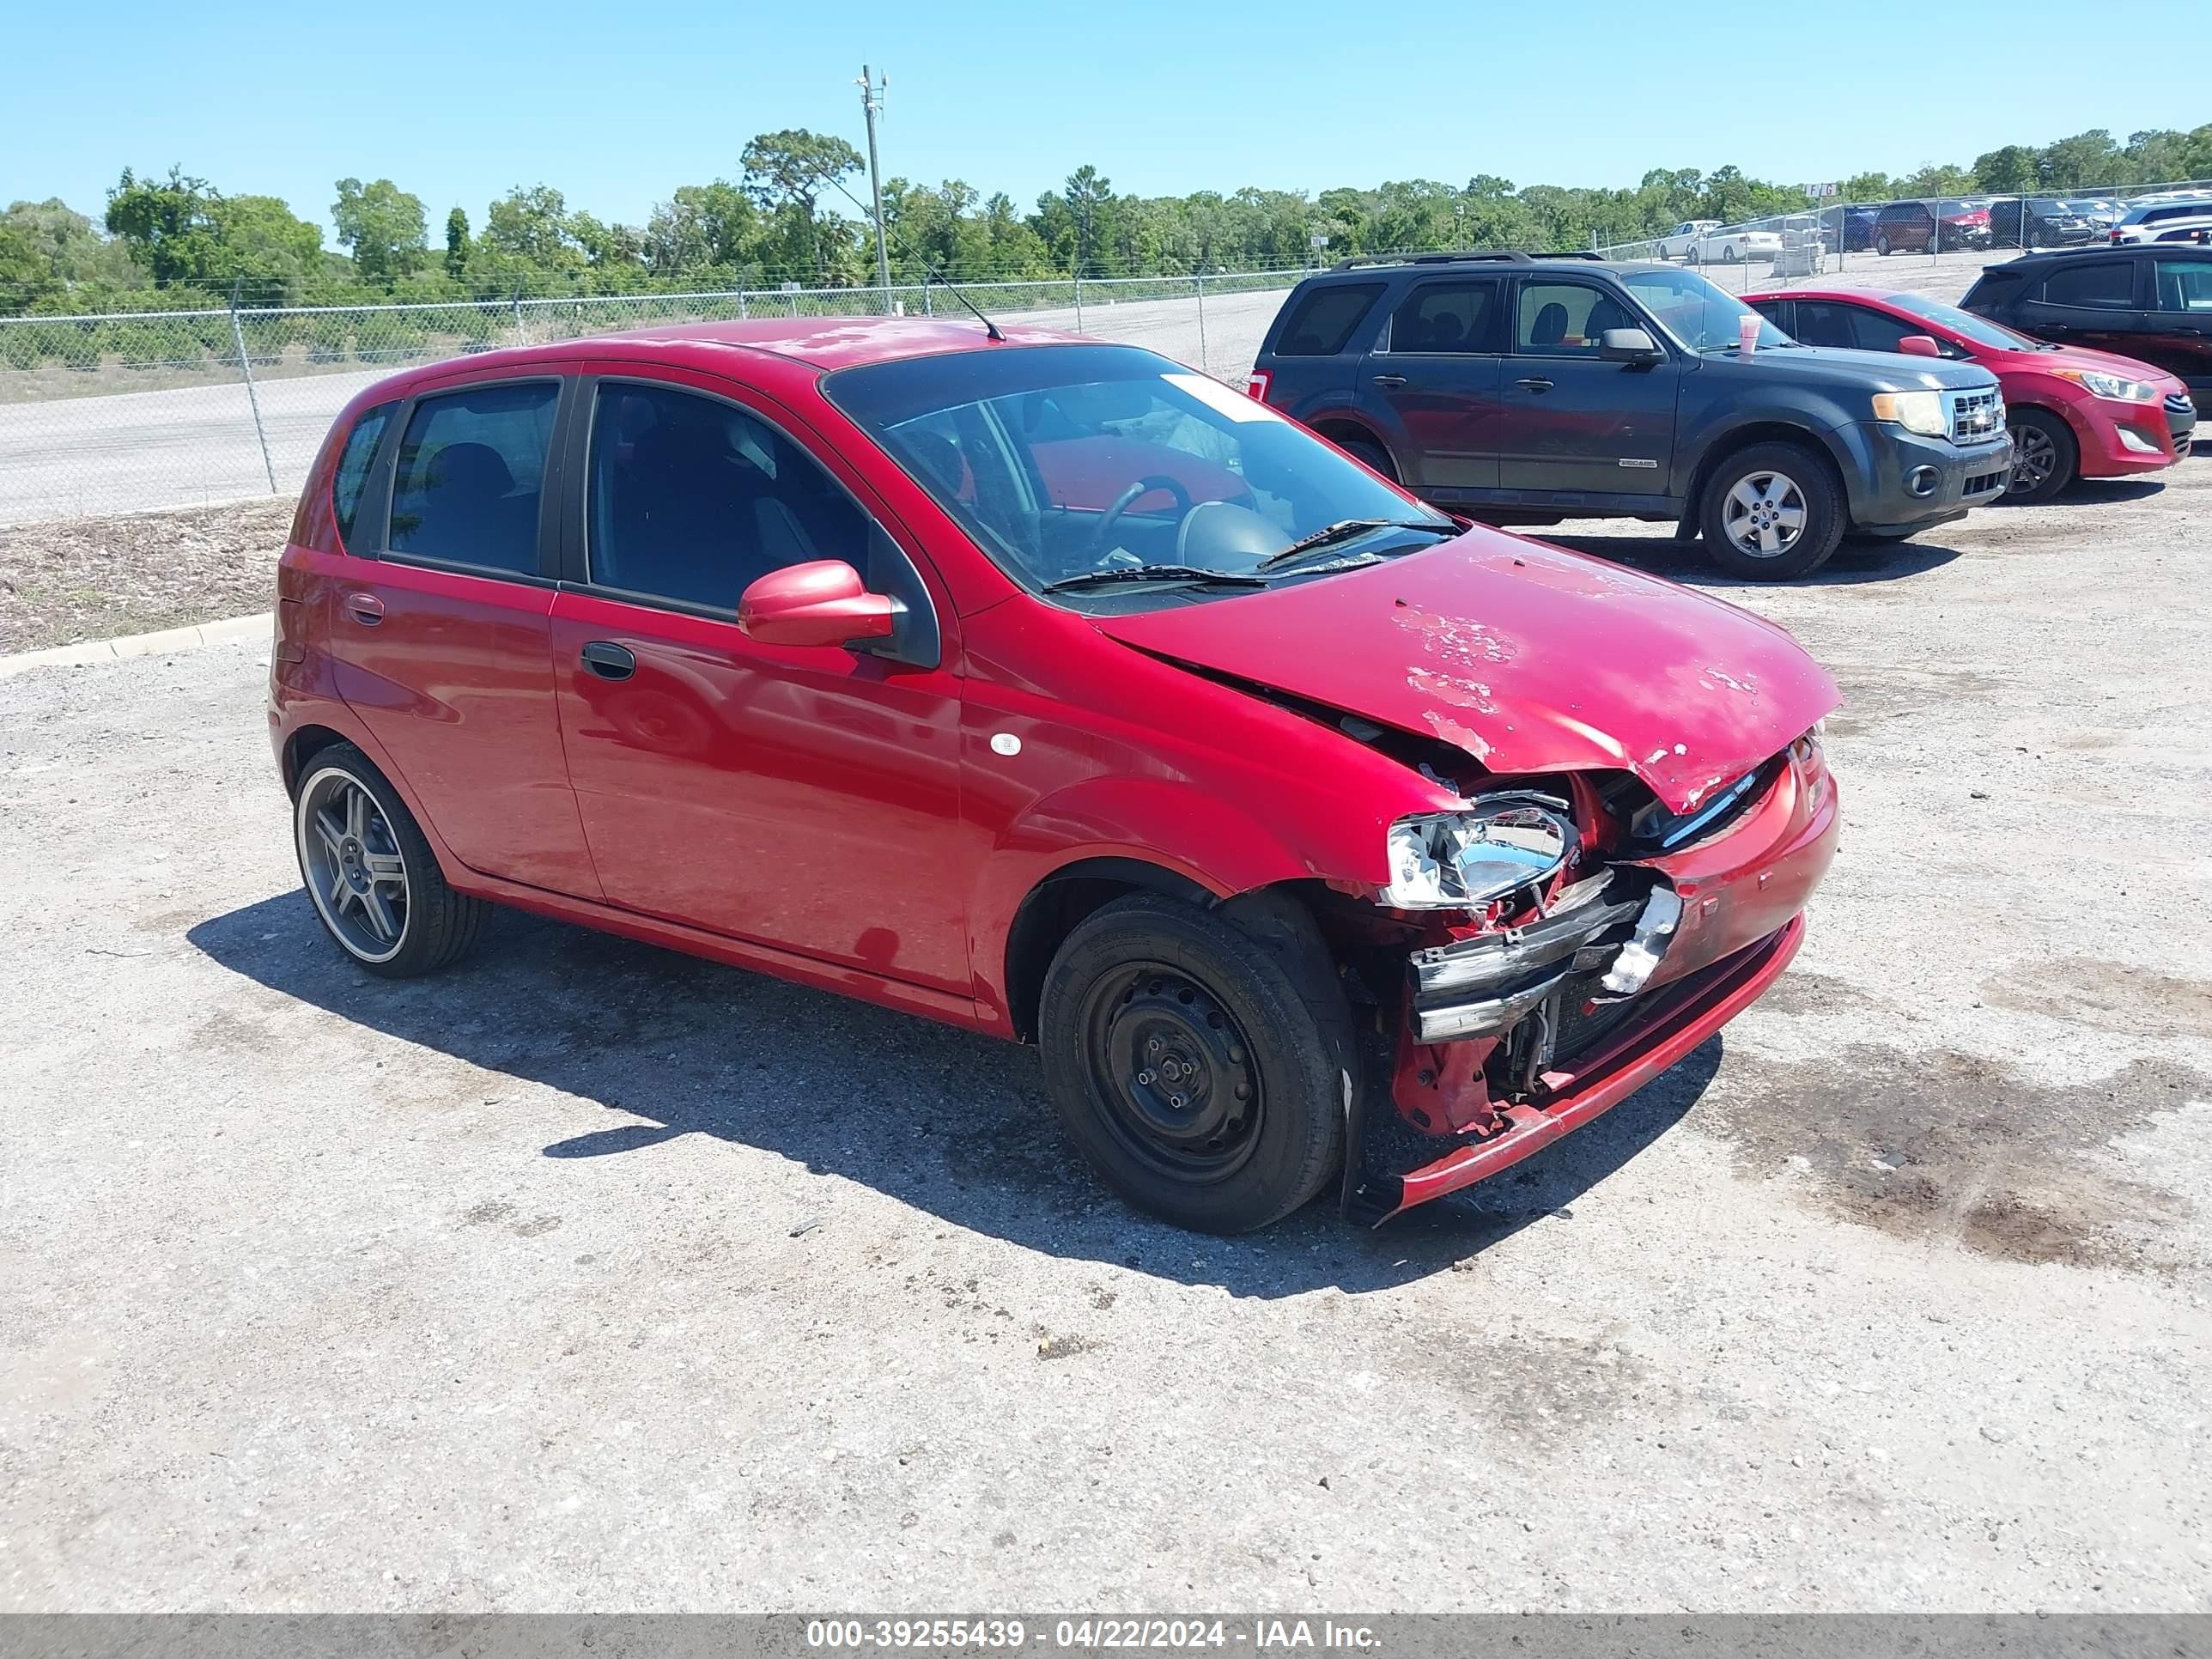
{"x":1366,"y":267}
{"x":822,"y":342}
{"x":1826,"y":291}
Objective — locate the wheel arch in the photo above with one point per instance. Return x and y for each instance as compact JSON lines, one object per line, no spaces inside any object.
{"x":1338,"y":424}
{"x":1737,"y":438}
{"x":302,"y":747}
{"x":1056,"y":905}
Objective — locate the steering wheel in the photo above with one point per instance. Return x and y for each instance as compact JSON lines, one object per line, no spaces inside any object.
{"x":1127,"y":499}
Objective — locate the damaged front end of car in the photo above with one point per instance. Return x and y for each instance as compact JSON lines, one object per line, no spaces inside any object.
{"x":1536,"y":957}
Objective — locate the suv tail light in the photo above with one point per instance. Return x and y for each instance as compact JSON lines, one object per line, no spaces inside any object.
{"x":1256,"y":384}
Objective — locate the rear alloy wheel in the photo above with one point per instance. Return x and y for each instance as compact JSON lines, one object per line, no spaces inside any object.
{"x":370,"y":875}
{"x":1731,"y":255}
{"x":1771,"y":513}
{"x":1200,"y":1069}
{"x":2043,"y":456}
{"x":1881,"y":246}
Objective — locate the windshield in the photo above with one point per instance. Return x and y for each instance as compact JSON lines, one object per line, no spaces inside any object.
{"x":1094,"y":465}
{"x":1702,"y":315}
{"x":1980,"y":329}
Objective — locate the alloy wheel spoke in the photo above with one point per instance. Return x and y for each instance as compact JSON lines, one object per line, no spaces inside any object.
{"x":378,"y":908}
{"x":1770,"y":539}
{"x":1790,"y":518}
{"x":384,"y":866}
{"x":332,"y":831}
{"x":357,"y":813}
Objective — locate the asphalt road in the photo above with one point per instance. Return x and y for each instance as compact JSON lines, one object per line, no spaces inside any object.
{"x":131,"y":451}
{"x":590,"y":1277}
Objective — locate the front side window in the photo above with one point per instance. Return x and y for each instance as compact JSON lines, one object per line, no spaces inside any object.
{"x":2184,"y":285}
{"x":692,"y":500}
{"x":1321,"y":324}
{"x":1095,"y":465}
{"x":471,"y":470}
{"x":1566,"y":319}
{"x":2102,"y":284}
{"x":1979,"y":329}
{"x":354,"y":462}
{"x":1451,"y":318}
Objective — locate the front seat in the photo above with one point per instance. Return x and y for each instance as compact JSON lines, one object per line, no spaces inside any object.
{"x":1551,"y":326}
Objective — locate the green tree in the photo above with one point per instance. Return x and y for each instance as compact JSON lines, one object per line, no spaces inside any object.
{"x":457,"y":244}
{"x":383,"y":227}
{"x":784,"y":173}
{"x":703,"y":228}
{"x":2009,"y":169}
{"x":170,"y":223}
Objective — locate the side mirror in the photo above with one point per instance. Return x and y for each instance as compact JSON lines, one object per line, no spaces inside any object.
{"x":1920,"y":345}
{"x":1628,"y":345}
{"x":822,"y":602}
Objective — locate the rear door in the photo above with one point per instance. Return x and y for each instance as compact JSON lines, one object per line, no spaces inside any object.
{"x":804,"y":798}
{"x":2182,"y":288}
{"x":440,"y":633}
{"x":1433,"y":383}
{"x":1574,"y":424}
{"x":2101,"y":301}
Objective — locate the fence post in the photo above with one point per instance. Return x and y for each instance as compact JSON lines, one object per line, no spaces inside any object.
{"x":252,"y":398}
{"x":743,"y":314}
{"x":1079,"y":299}
{"x":1203,"y":360}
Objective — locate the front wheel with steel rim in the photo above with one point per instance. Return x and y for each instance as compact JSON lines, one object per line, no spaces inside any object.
{"x":1200,"y":1060}
{"x":1772,"y":512}
{"x":2045,"y":456}
{"x":374,"y":882}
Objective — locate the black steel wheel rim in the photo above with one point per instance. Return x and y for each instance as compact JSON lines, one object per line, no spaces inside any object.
{"x":1173,"y":1071}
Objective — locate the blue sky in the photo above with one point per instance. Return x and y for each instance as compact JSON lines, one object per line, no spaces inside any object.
{"x":615,"y":106}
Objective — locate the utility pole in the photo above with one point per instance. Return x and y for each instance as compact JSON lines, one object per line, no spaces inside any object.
{"x":871,"y":104}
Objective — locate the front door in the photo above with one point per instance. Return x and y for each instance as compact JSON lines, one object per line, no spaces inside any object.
{"x":442,"y":633}
{"x":1434,"y":381}
{"x":806,"y":798}
{"x":1575,"y":424}
{"x":2182,"y":343}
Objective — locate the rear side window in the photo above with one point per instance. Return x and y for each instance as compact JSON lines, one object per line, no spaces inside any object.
{"x":354,"y":462}
{"x":2184,"y":285}
{"x":1447,"y":317}
{"x":2105,"y":284}
{"x":1325,"y":318}
{"x":471,"y":468}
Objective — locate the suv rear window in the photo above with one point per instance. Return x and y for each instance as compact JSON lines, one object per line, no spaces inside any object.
{"x":1324,"y":320}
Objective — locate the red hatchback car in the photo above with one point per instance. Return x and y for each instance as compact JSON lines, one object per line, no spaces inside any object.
{"x":2073,"y":413}
{"x":1055,"y":690}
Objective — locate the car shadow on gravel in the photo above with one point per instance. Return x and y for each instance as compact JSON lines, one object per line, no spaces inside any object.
{"x":1854,"y":564}
{"x":650,"y":1045}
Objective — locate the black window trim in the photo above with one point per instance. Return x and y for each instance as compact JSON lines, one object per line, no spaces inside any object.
{"x":377,"y":493}
{"x":1385,"y":341}
{"x":574,"y":561}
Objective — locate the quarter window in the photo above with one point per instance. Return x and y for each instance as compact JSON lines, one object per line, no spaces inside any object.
{"x":470,"y":472}
{"x":692,"y":500}
{"x":2104,"y":284}
{"x":1324,"y":321}
{"x":354,"y":462}
{"x":1452,"y":318}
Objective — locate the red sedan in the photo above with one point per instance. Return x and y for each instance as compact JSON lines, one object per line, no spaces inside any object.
{"x":1059,"y":692}
{"x":2073,"y":413}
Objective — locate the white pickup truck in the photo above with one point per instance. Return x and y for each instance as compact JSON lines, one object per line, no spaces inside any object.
{"x":1708,"y":241}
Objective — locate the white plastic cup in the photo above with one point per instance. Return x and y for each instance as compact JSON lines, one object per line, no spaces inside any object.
{"x":1747,"y":333}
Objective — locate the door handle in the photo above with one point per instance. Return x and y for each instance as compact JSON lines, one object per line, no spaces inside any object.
{"x":608,"y":660}
{"x":1390,"y":382}
{"x":366,"y":608}
{"x":1534,"y":383}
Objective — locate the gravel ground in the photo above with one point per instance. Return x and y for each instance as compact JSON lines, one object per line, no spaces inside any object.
{"x":590,"y":1277}
{"x":94,"y":578}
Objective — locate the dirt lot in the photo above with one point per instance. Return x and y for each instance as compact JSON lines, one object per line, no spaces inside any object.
{"x":588,"y":1276}
{"x":94,"y":578}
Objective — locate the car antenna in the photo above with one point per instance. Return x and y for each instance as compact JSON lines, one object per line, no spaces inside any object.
{"x":930,"y":272}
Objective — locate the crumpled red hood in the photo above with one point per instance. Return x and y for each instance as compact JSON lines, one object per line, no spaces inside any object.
{"x":1529,"y":658}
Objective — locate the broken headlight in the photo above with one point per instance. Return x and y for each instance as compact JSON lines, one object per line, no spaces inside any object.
{"x":1454,"y":860}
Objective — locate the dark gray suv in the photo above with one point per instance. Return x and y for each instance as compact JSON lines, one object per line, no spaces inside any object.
{"x":1527,"y":389}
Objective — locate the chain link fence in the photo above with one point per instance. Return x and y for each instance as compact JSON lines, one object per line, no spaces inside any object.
{"x":121,"y":413}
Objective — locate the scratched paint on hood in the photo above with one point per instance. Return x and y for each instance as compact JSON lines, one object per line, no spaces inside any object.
{"x":1528,"y":658}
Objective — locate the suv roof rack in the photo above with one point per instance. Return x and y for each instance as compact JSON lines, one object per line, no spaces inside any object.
{"x":1505,"y":256}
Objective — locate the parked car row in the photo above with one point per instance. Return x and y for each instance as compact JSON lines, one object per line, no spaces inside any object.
{"x":1528,"y":389}
{"x":1948,"y":224}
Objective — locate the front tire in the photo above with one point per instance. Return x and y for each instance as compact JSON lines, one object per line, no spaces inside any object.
{"x":1772,"y":512}
{"x":1203,"y":1068}
{"x":2045,"y":456}
{"x":370,"y":874}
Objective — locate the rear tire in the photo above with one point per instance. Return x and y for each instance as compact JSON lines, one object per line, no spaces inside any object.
{"x":1368,"y":453}
{"x":1881,"y":246}
{"x":1201,"y":1060}
{"x":2045,"y":456}
{"x":370,"y":874}
{"x":1782,"y":493}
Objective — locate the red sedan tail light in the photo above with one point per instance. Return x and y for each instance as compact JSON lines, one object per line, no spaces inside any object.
{"x":1256,"y":383}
